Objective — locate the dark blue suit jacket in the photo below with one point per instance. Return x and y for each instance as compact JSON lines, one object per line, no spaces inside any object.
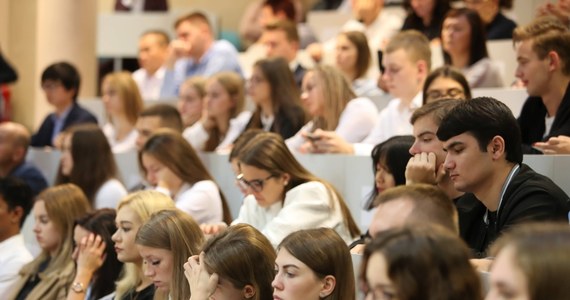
{"x":77,"y":115}
{"x":31,"y":175}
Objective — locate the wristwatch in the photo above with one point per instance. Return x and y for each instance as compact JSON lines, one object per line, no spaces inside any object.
{"x":78,"y":287}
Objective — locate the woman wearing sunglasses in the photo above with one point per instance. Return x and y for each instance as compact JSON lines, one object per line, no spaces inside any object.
{"x":283,"y":196}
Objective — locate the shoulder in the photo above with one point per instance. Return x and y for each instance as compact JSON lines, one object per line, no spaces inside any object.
{"x":111,"y":185}
{"x":530,"y":183}
{"x":308,"y":188}
{"x":224,"y":47}
{"x":361,"y":103}
{"x":81,"y":113}
{"x":204,"y":185}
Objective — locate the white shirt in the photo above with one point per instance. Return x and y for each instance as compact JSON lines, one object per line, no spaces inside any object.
{"x":109,"y":194}
{"x":485,"y":73}
{"x":548,"y":121}
{"x":393,"y":120}
{"x":149,"y":85}
{"x":308,"y":205}
{"x":13,"y":255}
{"x":366,"y":87}
{"x":201,"y":200}
{"x":355,"y":123}
{"x":380,"y":31}
{"x":197,"y":135}
{"x":127,"y":144}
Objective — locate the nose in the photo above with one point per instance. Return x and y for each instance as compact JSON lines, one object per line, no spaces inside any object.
{"x":304,"y":96}
{"x":149,"y":271}
{"x":115,"y":236}
{"x":36,"y":227}
{"x":518,"y":72}
{"x":151,"y":178}
{"x":276,"y":283}
{"x":378,"y":176}
{"x":75,"y":253}
{"x":448,"y":164}
{"x":414,"y":149}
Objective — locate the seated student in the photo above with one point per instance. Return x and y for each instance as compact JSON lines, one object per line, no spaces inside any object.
{"x":196,"y":52}
{"x":153,"y":49}
{"x":497,"y":26}
{"x":465,"y":47}
{"x":284,"y":10}
{"x":50,"y":275}
{"x":224,"y":118}
{"x":171,"y":164}
{"x":15,"y":203}
{"x":123,"y":103}
{"x":155,"y":117}
{"x":191,"y":100}
{"x":320,"y":260}
{"x":407,"y":60}
{"x":426,"y":17}
{"x":238,"y":263}
{"x":544,"y":68}
{"x":281,"y":39}
{"x":60,"y":83}
{"x":14,"y":141}
{"x":132,"y":212}
{"x":530,"y":261}
{"x":353,"y":59}
{"x":96,"y":175}
{"x":165,"y":242}
{"x":332,"y":104}
{"x":97,"y":267}
{"x":283,"y":196}
{"x":239,"y":144}
{"x":484,"y":157}
{"x":272,"y":88}
{"x":445,"y":83}
{"x":422,"y":262}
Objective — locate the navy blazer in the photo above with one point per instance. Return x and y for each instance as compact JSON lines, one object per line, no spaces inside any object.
{"x":77,"y":115}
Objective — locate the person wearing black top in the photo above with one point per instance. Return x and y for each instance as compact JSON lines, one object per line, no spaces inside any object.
{"x":497,"y":26}
{"x":484,"y":160}
{"x":425,"y":19}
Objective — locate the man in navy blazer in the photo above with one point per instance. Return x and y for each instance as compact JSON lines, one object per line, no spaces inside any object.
{"x":60,"y":83}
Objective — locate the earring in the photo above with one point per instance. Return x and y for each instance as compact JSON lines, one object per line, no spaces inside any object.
{"x":285,"y":183}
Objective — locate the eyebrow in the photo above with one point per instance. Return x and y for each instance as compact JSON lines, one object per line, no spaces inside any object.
{"x":126,"y":223}
{"x":453,"y":144}
{"x":425,"y":132}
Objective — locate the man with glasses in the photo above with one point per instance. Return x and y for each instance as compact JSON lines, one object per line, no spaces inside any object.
{"x":60,"y":83}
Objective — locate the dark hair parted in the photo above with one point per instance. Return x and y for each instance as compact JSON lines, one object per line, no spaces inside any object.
{"x":427,"y":262}
{"x":267,"y":151}
{"x":325,"y":253}
{"x":89,"y":171}
{"x":542,"y":252}
{"x":478,"y":46}
{"x":363,"y":58}
{"x":440,"y":8}
{"x":168,"y":114}
{"x":65,"y":73}
{"x":446,"y":72}
{"x":176,"y":154}
{"x":102,"y":222}
{"x":484,"y":118}
{"x":15,"y":192}
{"x":547,"y":34}
{"x":243,"y":256}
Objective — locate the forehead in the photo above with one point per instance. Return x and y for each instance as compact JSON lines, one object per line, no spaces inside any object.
{"x":147,"y":252}
{"x":397,"y":57}
{"x":464,"y":139}
{"x":442,"y":83}
{"x":525,"y":48}
{"x":127,"y":214}
{"x":251,"y":172}
{"x":152,"y":122}
{"x":284,"y":258}
{"x":275,"y":35}
{"x":40,"y":207}
{"x":456,"y":21}
{"x":423,"y":124}
{"x":79,"y":232}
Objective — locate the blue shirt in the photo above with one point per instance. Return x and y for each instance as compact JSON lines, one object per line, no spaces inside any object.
{"x":58,"y":123}
{"x":222,"y":56}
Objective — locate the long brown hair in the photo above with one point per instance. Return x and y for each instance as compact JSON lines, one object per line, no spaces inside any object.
{"x":325,"y":253}
{"x":129,"y":93}
{"x":243,"y":256}
{"x":93,"y":160}
{"x":267,"y":151}
{"x":176,"y":154}
{"x":175,"y":231}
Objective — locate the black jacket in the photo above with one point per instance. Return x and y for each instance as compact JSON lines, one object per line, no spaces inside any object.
{"x":529,"y":197}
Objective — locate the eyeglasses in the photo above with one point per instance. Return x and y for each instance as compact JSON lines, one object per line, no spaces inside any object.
{"x":440,"y":94}
{"x":255,"y":185}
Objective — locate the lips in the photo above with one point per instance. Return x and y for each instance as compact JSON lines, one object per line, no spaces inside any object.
{"x":275,"y":297}
{"x":117,"y":249}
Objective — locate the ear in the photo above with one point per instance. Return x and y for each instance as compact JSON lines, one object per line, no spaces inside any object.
{"x":16,"y":214}
{"x":286,"y":178}
{"x":423,"y":70}
{"x":248,"y":291}
{"x":329,"y":283}
{"x":18,"y":153}
{"x":496,"y":147}
{"x":554,"y":62}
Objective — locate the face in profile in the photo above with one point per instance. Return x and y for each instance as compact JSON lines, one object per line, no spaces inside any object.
{"x":66,"y":159}
{"x":312,"y":97}
{"x":152,"y":53}
{"x":383,"y":178}
{"x":258,"y":88}
{"x":425,"y":139}
{"x":294,"y":279}
{"x":158,"y":266}
{"x":219,"y":101}
{"x":190,"y":105}
{"x":112,"y":99}
{"x":402,"y":75}
{"x":346,"y":54}
{"x":532,"y":71}
{"x":267,"y":189}
{"x":145,"y":126}
{"x":47,"y":235}
{"x":378,"y":284}
{"x":128,"y":224}
{"x":277,"y":45}
{"x":507,"y":279}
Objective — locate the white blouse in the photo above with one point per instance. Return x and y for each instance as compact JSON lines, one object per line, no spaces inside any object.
{"x":197,"y":135}
{"x":127,"y":144}
{"x":201,"y":200}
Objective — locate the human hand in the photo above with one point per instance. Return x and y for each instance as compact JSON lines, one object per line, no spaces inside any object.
{"x":422,"y":168}
{"x":90,"y":254}
{"x":177,"y":49}
{"x":202,"y":284}
{"x":330,"y":142}
{"x":555,"y":145}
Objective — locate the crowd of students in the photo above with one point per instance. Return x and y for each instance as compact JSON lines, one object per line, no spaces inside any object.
{"x":452,"y":198}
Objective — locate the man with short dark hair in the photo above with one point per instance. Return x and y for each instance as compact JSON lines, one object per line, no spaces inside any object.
{"x":15,"y":203}
{"x":155,"y":117}
{"x":196,"y":52}
{"x":484,"y":159}
{"x":60,"y":83}
{"x":281,"y":39}
{"x":153,"y":49}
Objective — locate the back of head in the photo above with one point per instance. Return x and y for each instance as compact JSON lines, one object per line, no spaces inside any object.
{"x":65,"y":73}
{"x":484,"y":118}
{"x":430,"y":205}
{"x":446,"y":72}
{"x":436,"y":110}
{"x":478,"y":49}
{"x":168,"y":114}
{"x":363,"y":58}
{"x":234,"y":85}
{"x":128,"y":91}
{"x":175,"y":231}
{"x":16,"y":193}
{"x":337,"y":92}
{"x":547,"y":34}
{"x":424,"y":262}
{"x":243,"y":256}
{"x":414,"y":43}
{"x":325,"y":253}
{"x":542,"y":252}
